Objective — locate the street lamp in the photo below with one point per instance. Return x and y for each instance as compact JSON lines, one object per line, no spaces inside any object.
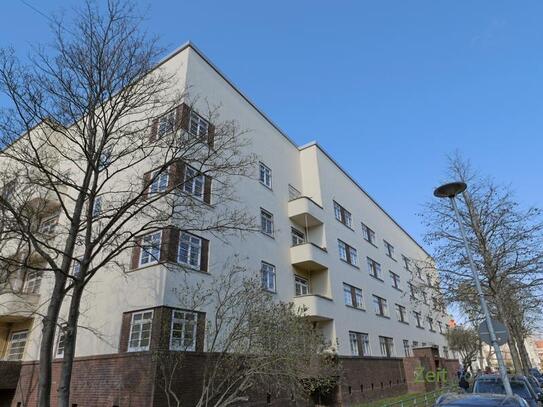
{"x":450,"y":191}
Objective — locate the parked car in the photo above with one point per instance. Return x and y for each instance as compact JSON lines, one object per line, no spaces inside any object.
{"x":536,"y":385}
{"x":487,"y":400}
{"x":519,"y":384}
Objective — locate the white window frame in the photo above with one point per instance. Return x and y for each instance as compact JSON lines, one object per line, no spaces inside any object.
{"x":141,"y":322}
{"x":348,"y":297}
{"x":406,"y":262}
{"x":160,"y":182}
{"x":59,"y":352}
{"x":368,"y":234}
{"x":180,"y":317}
{"x":374,"y":268}
{"x":297,"y":237}
{"x":359,"y":336}
{"x":430,"y":322}
{"x":268,"y":276}
{"x":198,"y":126}
{"x":401,"y":313}
{"x":343,"y":215}
{"x":266,"y":222}
{"x":265,"y":175}
{"x":48,"y":225}
{"x":32,"y":285}
{"x":380,"y":306}
{"x":418,"y":316}
{"x":301,"y":285}
{"x":342,"y":247}
{"x":193,"y":243}
{"x":194,"y":182}
{"x":97,"y":207}
{"x":166,"y":124}
{"x":10,"y":355}
{"x":406,"y":348}
{"x":389,"y":249}
{"x":152,"y":259}
{"x":396,"y":279}
{"x":386,"y":344}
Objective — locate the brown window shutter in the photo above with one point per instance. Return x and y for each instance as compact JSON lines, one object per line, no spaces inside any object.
{"x":183,"y":116}
{"x":173,"y":245}
{"x":204,"y":255}
{"x":200,"y":331}
{"x":125,"y":332}
{"x":207,"y":189}
{"x":210,"y":135}
{"x":154,"y":130}
{"x":146,"y":184}
{"x":165,"y":244}
{"x":135,"y":260}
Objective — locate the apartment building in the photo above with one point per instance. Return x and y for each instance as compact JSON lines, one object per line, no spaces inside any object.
{"x":325,"y":244}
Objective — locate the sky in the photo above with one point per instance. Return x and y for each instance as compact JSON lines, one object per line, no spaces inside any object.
{"x":388,"y":88}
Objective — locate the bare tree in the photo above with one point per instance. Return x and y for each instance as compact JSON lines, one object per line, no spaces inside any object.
{"x":465,"y":341}
{"x":507,"y":243}
{"x":99,"y":154}
{"x":254,"y":343}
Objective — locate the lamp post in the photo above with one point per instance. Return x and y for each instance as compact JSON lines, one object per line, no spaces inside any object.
{"x":450,"y":191}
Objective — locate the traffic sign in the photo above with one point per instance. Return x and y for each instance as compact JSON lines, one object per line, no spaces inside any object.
{"x":502,"y":335}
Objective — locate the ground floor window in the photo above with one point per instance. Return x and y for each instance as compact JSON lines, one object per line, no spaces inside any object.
{"x":17,"y":343}
{"x":406,"y":348}
{"x":140,"y":331}
{"x":387,"y":346}
{"x":183,"y":331}
{"x":301,"y":285}
{"x":360,"y":344}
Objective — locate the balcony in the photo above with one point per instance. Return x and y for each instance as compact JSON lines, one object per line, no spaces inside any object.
{"x":15,"y":306}
{"x":9,"y":374}
{"x":305,"y":212}
{"x":317,"y":307}
{"x":309,"y":257}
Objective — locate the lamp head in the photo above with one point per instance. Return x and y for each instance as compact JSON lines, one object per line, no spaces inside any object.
{"x":450,"y":190}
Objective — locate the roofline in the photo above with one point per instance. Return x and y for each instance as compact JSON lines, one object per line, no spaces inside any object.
{"x":189,"y":44}
{"x":317,"y":145}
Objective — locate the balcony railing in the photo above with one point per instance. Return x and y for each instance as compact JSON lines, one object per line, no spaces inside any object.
{"x":309,"y":256}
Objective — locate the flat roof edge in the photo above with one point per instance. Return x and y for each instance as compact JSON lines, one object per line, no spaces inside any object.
{"x":317,"y":145}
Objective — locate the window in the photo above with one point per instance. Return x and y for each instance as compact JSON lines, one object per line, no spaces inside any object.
{"x":360,"y":343}
{"x":166,"y":124}
{"x":415,"y":344}
{"x":389,"y":249}
{"x":406,"y":263}
{"x":183,"y":331}
{"x":368,"y":234}
{"x":268,"y":276}
{"x":380,"y":306}
{"x":425,"y":297}
{"x":105,"y":159}
{"x":265,"y":175}
{"x":440,"y":326}
{"x":48,"y":225}
{"x":423,"y":344}
{"x":150,"y":248}
{"x":417,"y":316}
{"x":190,"y":249}
{"x":395,"y":280}
{"x":406,"y":348}
{"x":193,"y":183}
{"x":301,"y":285}
{"x":266,"y":222}
{"x":411,"y":291}
{"x":140,"y":331}
{"x":159,"y":183}
{"x":401,"y":313}
{"x":430,"y":324}
{"x":374,"y":269}
{"x":76,"y":268}
{"x":353,"y":296}
{"x":347,"y":253}
{"x":32,"y":282}
{"x":17,"y":343}
{"x":198,"y":125}
{"x":97,"y":207}
{"x":418,"y":271}
{"x":343,"y":215}
{"x":60,"y":343}
{"x":298,"y":237}
{"x":387,"y":346}
{"x":446,"y":352}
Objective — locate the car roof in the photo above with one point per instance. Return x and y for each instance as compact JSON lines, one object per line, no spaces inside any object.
{"x":480,"y":400}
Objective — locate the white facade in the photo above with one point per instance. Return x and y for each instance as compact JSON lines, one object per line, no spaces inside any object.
{"x":309,"y":172}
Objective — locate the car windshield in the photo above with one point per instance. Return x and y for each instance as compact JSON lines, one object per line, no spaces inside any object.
{"x":491,"y":386}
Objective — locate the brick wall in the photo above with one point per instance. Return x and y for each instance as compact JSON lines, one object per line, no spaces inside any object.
{"x":9,"y":372}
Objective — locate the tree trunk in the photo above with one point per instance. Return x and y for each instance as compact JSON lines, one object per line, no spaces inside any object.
{"x":515,"y":355}
{"x":524,"y":358}
{"x":47,"y":342}
{"x":69,"y":346}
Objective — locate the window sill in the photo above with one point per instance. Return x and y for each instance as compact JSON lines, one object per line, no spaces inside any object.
{"x":377,"y":278}
{"x":403,"y":322}
{"x":269,"y":188}
{"x":373,"y":244}
{"x":347,"y":226}
{"x":356,"y":308}
{"x":268,"y":235}
{"x":420,"y":327}
{"x":382,"y":316}
{"x":391,"y":258}
{"x":398,"y":289}
{"x":350,"y":264}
